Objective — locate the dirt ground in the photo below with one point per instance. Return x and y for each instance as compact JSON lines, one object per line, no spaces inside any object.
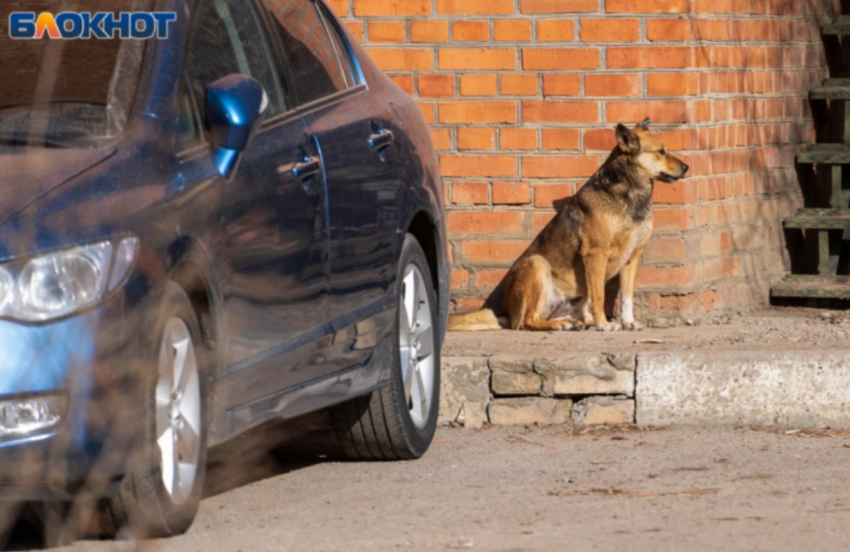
{"x":528,"y":488}
{"x":785,"y":328}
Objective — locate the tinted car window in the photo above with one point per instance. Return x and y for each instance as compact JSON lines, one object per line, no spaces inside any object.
{"x":227,"y":38}
{"x":341,"y":50}
{"x":315,"y":68}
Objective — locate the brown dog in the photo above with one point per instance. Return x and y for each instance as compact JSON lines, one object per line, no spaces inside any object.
{"x":600,"y":234}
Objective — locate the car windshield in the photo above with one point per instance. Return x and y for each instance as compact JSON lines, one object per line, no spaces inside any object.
{"x":67,"y":93}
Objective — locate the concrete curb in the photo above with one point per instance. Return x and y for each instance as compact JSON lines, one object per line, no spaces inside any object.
{"x":785,"y":389}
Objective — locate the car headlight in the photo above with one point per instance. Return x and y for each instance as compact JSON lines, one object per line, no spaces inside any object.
{"x":58,"y":283}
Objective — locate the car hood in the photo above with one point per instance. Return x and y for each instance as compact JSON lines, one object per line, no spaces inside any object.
{"x":28,"y":173}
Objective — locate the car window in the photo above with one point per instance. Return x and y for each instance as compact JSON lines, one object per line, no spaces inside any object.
{"x":227,"y":38}
{"x":315,"y":68}
{"x":342,"y":52}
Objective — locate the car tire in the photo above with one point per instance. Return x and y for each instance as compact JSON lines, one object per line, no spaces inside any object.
{"x":398,"y":421}
{"x":160,"y":494}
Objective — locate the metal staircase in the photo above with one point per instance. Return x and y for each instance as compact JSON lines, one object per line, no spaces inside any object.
{"x":832,"y":224}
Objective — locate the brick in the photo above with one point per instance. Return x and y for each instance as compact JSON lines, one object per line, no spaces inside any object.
{"x":490,"y":278}
{"x":339,"y":7}
{"x":356,"y":29}
{"x":556,"y":30}
{"x":557,"y":6}
{"x":436,"y":86}
{"x":561,"y":85}
{"x":429,"y":31}
{"x":476,"y":139}
{"x":610,"y":85}
{"x":634,"y":112}
{"x":442,"y":138}
{"x":524,"y":411}
{"x":485,"y":222}
{"x":552,"y":111}
{"x":561,"y":166}
{"x":394,"y":8}
{"x":672,"y":219}
{"x":475,"y":7}
{"x":556,"y":59}
{"x":560,"y":139}
{"x":539,"y":221}
{"x":679,"y":276}
{"x":511,"y":193}
{"x":471,"y":31}
{"x":459,"y":278}
{"x":493,"y":250}
{"x":681,"y":192}
{"x":405,"y":82}
{"x":522,"y":139}
{"x":603,"y":411}
{"x":478,"y":85}
{"x":546,"y":195}
{"x":596,"y":139}
{"x":402,"y":59}
{"x":478,"y":112}
{"x":471,"y":59}
{"x":672,"y":84}
{"x":665,"y":249}
{"x":508,"y":30}
{"x":520,"y":84}
{"x":609,"y":30}
{"x":646,"y":6}
{"x":478,"y":165}
{"x":653,"y":57}
{"x":387,"y":31}
{"x":474,"y":193}
{"x":669,"y":30}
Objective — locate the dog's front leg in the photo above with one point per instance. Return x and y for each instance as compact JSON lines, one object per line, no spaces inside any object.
{"x":627,"y":289}
{"x":595,"y":265}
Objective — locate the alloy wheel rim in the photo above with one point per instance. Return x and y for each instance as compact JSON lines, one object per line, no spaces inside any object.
{"x":178,"y":411}
{"x":416,"y":344}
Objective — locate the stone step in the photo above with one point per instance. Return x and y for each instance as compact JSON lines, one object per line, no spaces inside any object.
{"x":820,"y":219}
{"x":825,"y":154}
{"x":813,"y":286}
{"x":832,"y":89}
{"x":841,"y":26}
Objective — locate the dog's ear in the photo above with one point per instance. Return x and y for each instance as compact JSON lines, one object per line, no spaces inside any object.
{"x":628,"y":140}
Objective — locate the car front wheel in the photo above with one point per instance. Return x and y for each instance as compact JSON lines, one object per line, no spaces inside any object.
{"x":398,"y":421}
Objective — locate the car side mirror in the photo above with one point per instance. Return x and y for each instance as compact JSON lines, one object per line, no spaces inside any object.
{"x":234,"y":109}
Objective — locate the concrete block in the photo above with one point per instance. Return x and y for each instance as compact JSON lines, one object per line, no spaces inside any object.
{"x":604,"y":410}
{"x":587,"y":375}
{"x":530,"y":410}
{"x":507,"y":363}
{"x":463,"y":379}
{"x":785,"y":389}
{"x":472,"y":415}
{"x":515,"y":383}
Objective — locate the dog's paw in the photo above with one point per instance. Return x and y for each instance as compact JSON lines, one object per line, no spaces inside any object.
{"x":608,"y":327}
{"x":632,"y":326}
{"x":570,"y":325}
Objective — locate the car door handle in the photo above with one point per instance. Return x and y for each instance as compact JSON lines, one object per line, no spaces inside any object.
{"x":381,"y":139}
{"x":308,"y":168}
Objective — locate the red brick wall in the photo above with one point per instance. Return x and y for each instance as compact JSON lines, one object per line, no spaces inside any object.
{"x":523,"y":96}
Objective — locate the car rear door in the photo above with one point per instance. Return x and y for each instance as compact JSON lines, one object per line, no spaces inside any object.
{"x":273,"y":216}
{"x":362,"y":193}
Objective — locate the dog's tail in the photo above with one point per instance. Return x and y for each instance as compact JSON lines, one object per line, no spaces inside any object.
{"x":478,"y":321}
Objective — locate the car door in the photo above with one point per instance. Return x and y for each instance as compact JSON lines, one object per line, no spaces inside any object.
{"x":273,"y":217}
{"x":339,"y":109}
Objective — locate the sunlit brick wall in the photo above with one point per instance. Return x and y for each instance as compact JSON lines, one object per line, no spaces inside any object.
{"x":523,"y":96}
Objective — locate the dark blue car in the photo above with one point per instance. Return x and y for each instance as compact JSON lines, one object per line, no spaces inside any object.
{"x":237,"y":224}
